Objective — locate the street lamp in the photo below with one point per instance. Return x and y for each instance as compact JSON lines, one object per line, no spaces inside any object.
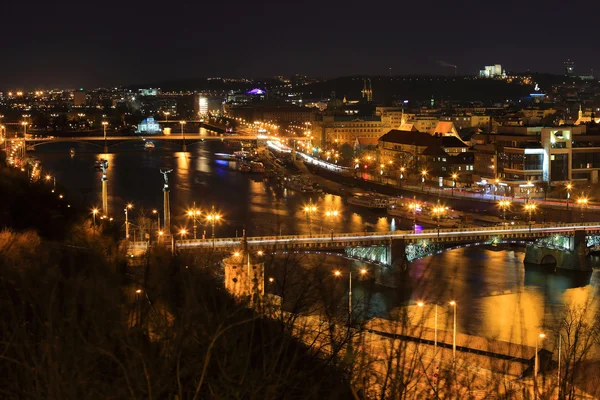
{"x":413,"y":206}
{"x":182,"y":233}
{"x":182,"y":123}
{"x":310,"y":209}
{"x":569,"y":187}
{"x":504,"y":205}
{"x":338,"y":273}
{"x":454,"y":305}
{"x":536,"y":364}
{"x":583,"y":202}
{"x":530,"y":208}
{"x":48,"y":177}
{"x":437,"y":211}
{"x":157,"y":220}
{"x":94,"y":212}
{"x":331,"y":214}
{"x":402,"y":169}
{"x":423,"y":176}
{"x":496,"y":183}
{"x":127,"y":208}
{"x":454,"y":178}
{"x":194,"y":214}
{"x":166,"y":115}
{"x":213,"y":218}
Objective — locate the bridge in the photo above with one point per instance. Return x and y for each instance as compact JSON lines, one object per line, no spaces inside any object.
{"x":565,"y":245}
{"x":185,"y":139}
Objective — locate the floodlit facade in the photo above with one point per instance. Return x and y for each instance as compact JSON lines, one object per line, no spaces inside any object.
{"x":492,"y":71}
{"x":149,"y":125}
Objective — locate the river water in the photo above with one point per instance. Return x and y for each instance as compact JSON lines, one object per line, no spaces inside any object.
{"x":497,"y":296}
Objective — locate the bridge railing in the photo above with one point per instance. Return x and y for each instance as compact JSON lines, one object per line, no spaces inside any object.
{"x":366,"y":236}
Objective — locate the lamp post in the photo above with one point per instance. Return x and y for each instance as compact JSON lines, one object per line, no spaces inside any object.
{"x":182,"y":233}
{"x":454,"y":305}
{"x":402,"y":169}
{"x":413,"y":206}
{"x":127,"y":208}
{"x":104,"y":125}
{"x":338,"y":273}
{"x":331,"y":214}
{"x":423,"y":176}
{"x":569,"y":187}
{"x":536,"y":363}
{"x":583,"y":202}
{"x":166,"y":115}
{"x":437,"y":211}
{"x":157,"y":222}
{"x":182,"y":123}
{"x":194,"y":214}
{"x":309,"y":210}
{"x":213,"y":218}
{"x":504,"y":204}
{"x":48,"y":177}
{"x":454,"y":178}
{"x":94,"y":212}
{"x":530,"y":208}
{"x":496,"y":183}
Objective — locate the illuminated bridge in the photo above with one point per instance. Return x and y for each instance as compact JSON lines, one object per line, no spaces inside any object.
{"x":564,"y":245}
{"x":188,"y":138}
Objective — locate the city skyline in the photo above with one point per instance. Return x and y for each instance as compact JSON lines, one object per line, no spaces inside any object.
{"x":73,"y":46}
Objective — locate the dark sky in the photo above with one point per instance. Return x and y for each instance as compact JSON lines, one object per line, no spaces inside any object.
{"x":92,"y":43}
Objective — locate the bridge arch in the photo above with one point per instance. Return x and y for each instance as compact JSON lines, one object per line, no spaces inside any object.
{"x":443,"y":248}
{"x":330,"y":253}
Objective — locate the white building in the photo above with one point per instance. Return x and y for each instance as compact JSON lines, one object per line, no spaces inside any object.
{"x":149,"y":125}
{"x":492,"y":71}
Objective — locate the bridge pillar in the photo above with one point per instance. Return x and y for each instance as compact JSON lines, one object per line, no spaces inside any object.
{"x":575,"y":258}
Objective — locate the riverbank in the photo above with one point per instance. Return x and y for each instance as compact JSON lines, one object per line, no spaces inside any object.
{"x":545,"y":212}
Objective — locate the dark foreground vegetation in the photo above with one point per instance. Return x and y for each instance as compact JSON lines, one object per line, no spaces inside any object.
{"x":80,"y":320}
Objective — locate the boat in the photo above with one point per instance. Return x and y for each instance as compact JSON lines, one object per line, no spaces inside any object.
{"x":257,"y":166}
{"x":149,"y":145}
{"x":225,"y":156}
{"x":244,"y":167}
{"x":369,"y":201}
{"x":72,"y":152}
{"x":98,"y":164}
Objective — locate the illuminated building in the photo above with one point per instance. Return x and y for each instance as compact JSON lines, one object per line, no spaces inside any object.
{"x":149,"y":125}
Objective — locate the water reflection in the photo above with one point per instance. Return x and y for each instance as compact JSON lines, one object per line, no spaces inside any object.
{"x":497,"y":296}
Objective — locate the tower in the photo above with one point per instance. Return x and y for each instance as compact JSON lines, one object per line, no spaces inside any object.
{"x":580,"y":113}
{"x":569,"y":68}
{"x":166,"y":202}
{"x":104,"y":167}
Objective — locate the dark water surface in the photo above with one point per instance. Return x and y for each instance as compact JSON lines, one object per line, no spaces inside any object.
{"x":497,"y":296}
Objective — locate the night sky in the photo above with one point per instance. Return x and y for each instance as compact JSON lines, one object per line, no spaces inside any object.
{"x":83,"y":44}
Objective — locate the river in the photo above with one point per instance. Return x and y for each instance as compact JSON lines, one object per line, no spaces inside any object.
{"x":497,"y":296}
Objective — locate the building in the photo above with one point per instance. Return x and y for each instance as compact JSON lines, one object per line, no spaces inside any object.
{"x":420,"y":150}
{"x":149,"y":125}
{"x":348,"y":128}
{"x":520,"y":156}
{"x":569,"y":68}
{"x":79,"y":98}
{"x":421,"y":122}
{"x":492,"y":71}
{"x":462,"y":121}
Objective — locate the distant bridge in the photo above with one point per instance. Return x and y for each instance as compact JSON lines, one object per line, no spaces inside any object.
{"x":547,"y":242}
{"x":186,"y":139}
